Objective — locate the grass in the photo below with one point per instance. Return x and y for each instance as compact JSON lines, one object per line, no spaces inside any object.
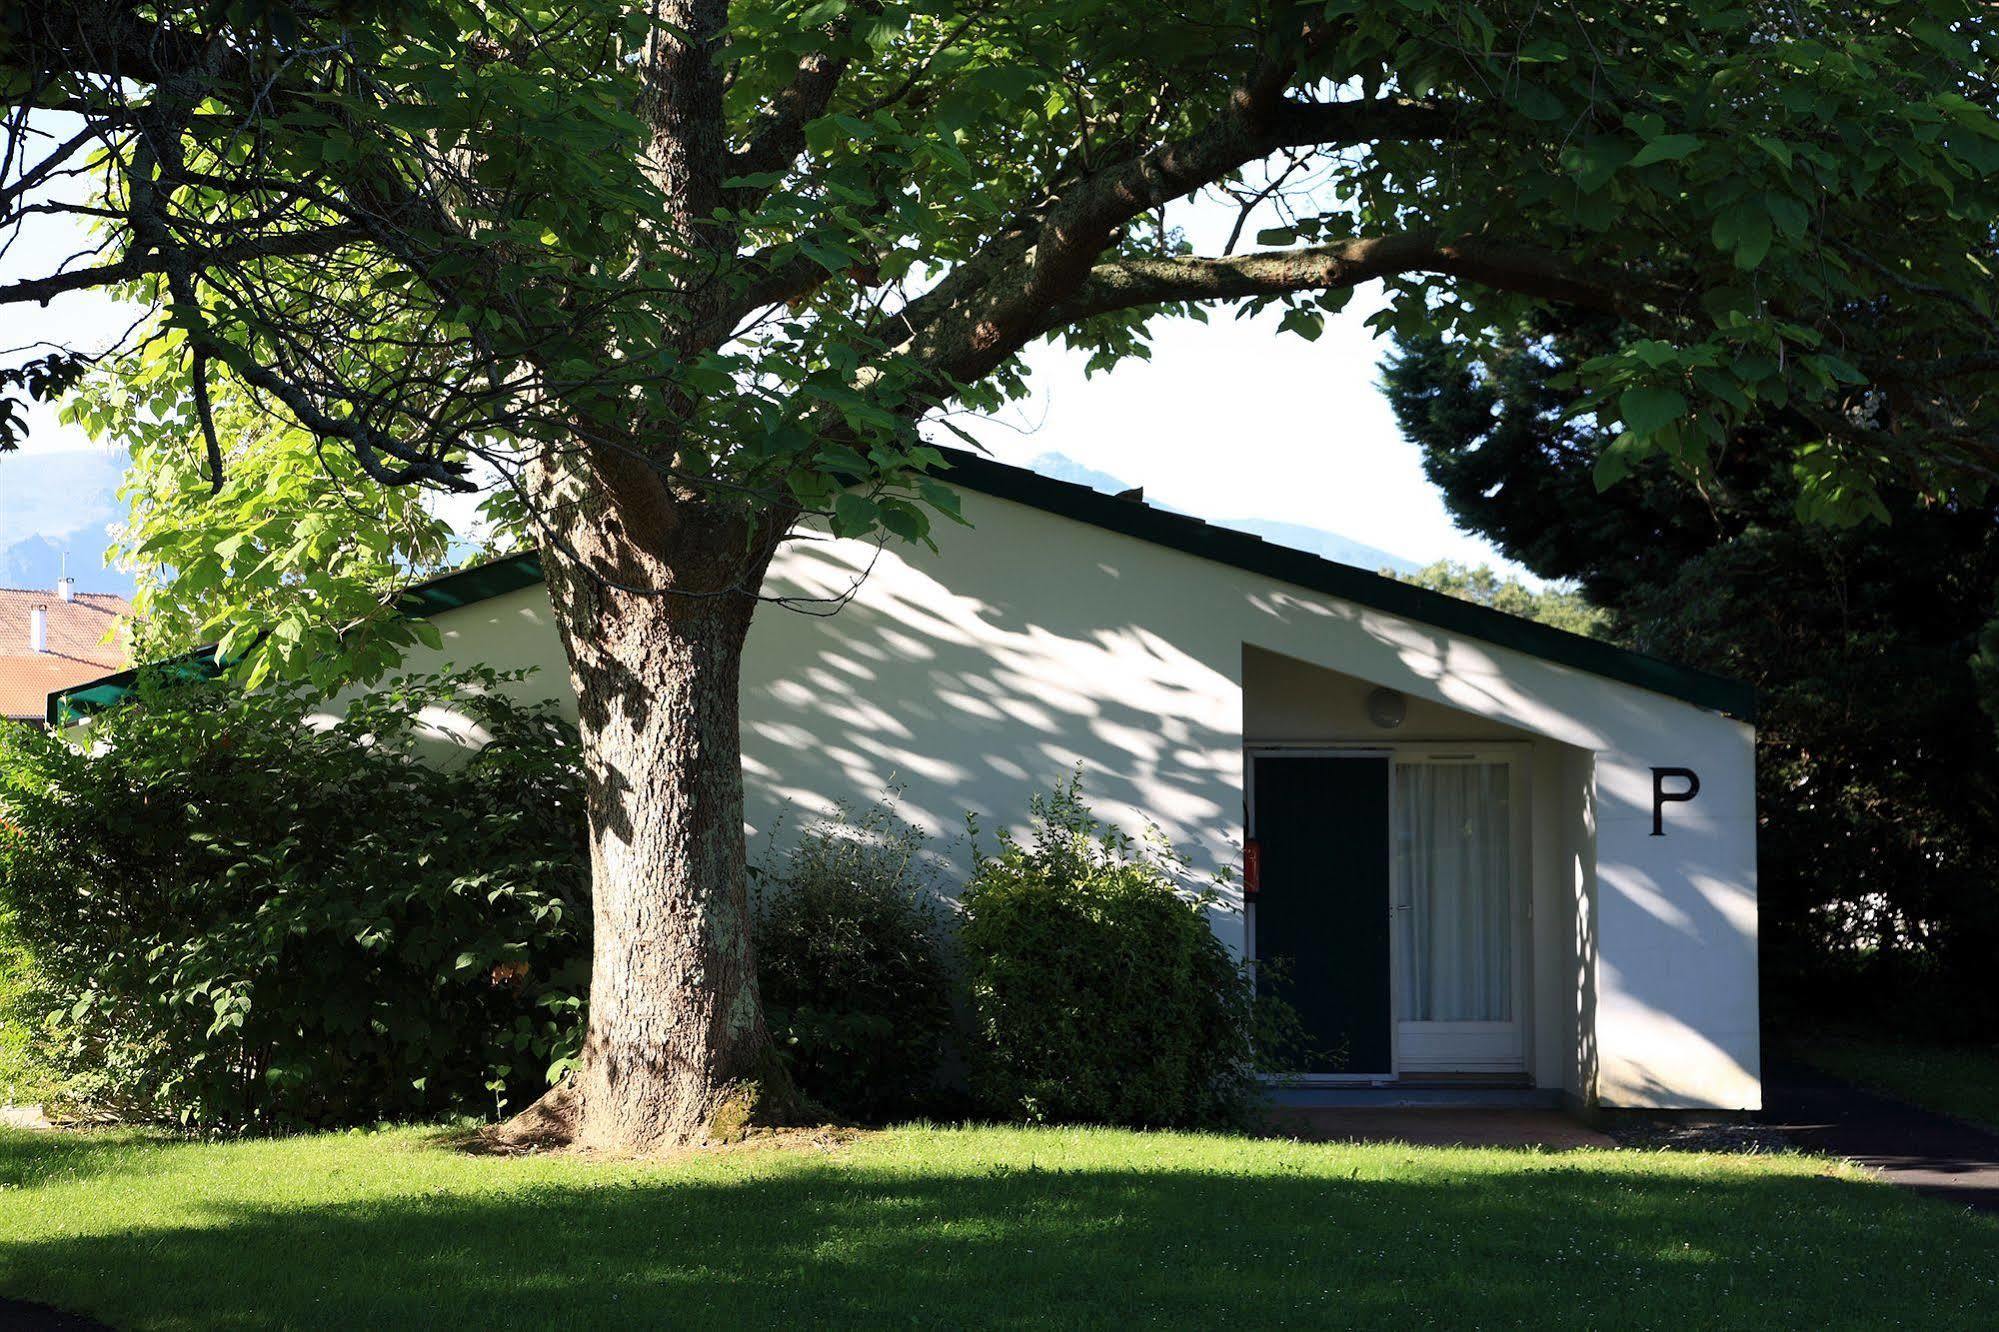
{"x":1962,"y":1081}
{"x":982,"y":1227}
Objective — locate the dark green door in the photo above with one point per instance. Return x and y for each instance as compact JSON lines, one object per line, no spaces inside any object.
{"x":1322,"y":900}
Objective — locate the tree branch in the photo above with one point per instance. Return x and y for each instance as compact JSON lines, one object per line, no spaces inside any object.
{"x":979,"y":314}
{"x":1123,"y":284}
{"x":1296,"y":124}
{"x":139,"y":262}
{"x":779,"y":136}
{"x":1256,"y":121}
{"x":683,"y":107}
{"x":107,"y":38}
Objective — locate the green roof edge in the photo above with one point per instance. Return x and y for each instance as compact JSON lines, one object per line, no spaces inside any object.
{"x":1192,"y":536}
{"x":462,"y":587}
{"x":1252,"y":554}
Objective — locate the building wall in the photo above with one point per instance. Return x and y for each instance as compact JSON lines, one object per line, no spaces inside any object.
{"x":1288,"y":699}
{"x":1031,"y":646}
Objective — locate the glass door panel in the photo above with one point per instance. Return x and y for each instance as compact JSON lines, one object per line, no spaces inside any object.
{"x":1455,"y":916}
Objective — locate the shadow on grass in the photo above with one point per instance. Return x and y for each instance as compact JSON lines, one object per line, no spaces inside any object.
{"x":851,"y":1242}
{"x":29,"y":1157}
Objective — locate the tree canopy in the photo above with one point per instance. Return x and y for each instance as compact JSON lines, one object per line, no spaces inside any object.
{"x":744,"y":248}
{"x":1560,"y":607}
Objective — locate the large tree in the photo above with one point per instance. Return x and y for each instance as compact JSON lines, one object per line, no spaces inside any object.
{"x":682,"y":275}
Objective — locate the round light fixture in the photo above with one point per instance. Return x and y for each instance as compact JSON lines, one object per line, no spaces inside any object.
{"x":1386,"y":708}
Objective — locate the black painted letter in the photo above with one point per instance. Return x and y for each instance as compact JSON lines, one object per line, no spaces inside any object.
{"x":1661,"y":797}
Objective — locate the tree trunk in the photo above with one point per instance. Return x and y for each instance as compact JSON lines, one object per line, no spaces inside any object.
{"x":676,"y":1051}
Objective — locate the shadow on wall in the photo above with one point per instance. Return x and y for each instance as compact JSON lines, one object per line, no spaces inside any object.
{"x":1071,"y":650}
{"x":1582,"y":880}
{"x":1665,"y":1019}
{"x":786,"y":1240}
{"x":976,"y":698}
{"x":981,"y":678}
{"x":1677,"y":985}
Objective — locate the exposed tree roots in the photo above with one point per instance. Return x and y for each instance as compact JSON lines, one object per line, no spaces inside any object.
{"x":560,"y":1120}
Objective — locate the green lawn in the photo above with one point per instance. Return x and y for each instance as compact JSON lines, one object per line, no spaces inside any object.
{"x":1955,"y":1080}
{"x":970,"y":1227}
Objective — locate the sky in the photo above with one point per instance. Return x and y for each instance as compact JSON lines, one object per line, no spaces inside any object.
{"x":1228,"y":421}
{"x":1232,"y":419}
{"x":59,"y":493}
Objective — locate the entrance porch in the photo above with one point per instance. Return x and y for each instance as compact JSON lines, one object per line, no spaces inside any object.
{"x":1418,"y":888}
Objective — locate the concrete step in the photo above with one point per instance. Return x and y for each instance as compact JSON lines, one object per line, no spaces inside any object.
{"x":1394,"y":1096}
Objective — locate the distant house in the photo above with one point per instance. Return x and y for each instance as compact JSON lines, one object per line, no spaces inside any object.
{"x":51,"y":640}
{"x":1493,"y":855}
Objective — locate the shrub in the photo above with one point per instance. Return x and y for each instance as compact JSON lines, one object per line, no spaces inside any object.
{"x":246,"y":921}
{"x":851,"y":966}
{"x":27,"y":1073}
{"x":1098,"y":991}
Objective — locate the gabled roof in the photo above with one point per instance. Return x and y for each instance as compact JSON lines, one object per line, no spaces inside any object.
{"x":1253,"y":554}
{"x":75,"y":648}
{"x":1143,"y":522}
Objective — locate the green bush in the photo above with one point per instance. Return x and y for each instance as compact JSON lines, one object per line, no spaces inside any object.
{"x":851,"y":966}
{"x":245,"y":921}
{"x":28,"y":1074}
{"x":1098,"y":992}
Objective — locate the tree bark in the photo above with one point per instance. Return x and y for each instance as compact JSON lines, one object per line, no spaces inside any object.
{"x":676,"y":1052}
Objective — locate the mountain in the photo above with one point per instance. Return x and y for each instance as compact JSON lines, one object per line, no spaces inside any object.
{"x":1298,"y":536}
{"x":1061,"y":467}
{"x":62,"y":503}
{"x":38,"y":561}
{"x":1326,"y":545}
{"x":56,"y":504}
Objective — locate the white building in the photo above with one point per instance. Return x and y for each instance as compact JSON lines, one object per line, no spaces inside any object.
{"x":1493,"y":852}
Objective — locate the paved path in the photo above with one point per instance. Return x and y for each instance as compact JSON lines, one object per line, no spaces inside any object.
{"x":1924,"y":1151}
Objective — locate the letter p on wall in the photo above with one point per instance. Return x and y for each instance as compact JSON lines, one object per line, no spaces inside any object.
{"x":1661,"y":797}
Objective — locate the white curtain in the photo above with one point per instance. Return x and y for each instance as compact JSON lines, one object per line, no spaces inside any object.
{"x":1454,"y":867}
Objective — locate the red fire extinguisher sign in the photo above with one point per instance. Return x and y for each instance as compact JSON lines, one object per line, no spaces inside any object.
{"x":1252,"y":867}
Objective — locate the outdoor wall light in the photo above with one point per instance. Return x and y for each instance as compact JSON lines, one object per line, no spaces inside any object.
{"x":1386,"y":708}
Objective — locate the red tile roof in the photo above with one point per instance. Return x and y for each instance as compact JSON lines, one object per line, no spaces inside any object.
{"x":77,"y":646}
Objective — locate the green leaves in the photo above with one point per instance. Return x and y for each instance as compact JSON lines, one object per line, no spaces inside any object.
{"x":853,"y":514}
{"x":290,"y":569}
{"x":1665,"y":148}
{"x":1706,"y":169}
{"x":1744,"y":229}
{"x":220,"y":885}
{"x":1647,"y":411}
{"x":1305,"y":322}
{"x":1097,"y":991}
{"x":903,"y":520}
{"x":1835,"y":488}
{"x":1537,"y":103}
{"x":1790,"y":215}
{"x":852,"y":965}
